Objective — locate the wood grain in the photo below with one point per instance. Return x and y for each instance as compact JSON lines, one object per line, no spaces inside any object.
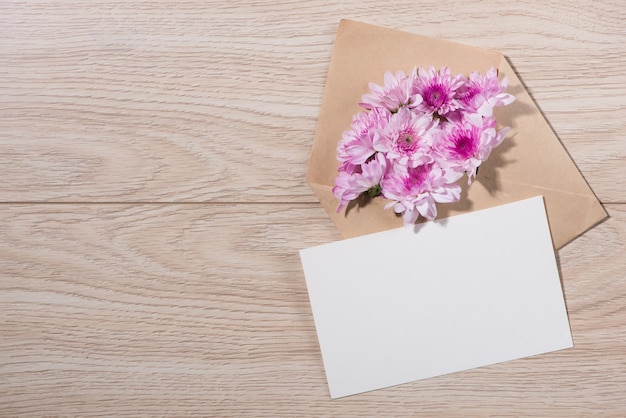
{"x":203,"y":102}
{"x":141,"y":309}
{"x":153,"y":202}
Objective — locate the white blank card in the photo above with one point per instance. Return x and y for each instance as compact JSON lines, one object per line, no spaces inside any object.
{"x":445,"y":296}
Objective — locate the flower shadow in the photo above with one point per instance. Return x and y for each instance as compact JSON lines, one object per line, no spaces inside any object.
{"x":488,"y":172}
{"x":360,"y":202}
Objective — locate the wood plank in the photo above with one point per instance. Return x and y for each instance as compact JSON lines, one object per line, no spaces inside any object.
{"x":202,"y":308}
{"x":210,"y":102}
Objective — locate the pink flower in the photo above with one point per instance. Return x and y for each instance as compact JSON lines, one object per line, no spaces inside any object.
{"x":415,"y":191}
{"x":437,"y":90}
{"x":481,"y":93}
{"x":463,"y":146}
{"x":363,"y":140}
{"x":394,"y":94}
{"x":349,"y":186}
{"x":408,"y":138}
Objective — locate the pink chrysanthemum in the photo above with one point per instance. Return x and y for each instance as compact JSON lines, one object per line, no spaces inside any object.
{"x":407,"y":138}
{"x":349,"y":186}
{"x":463,"y":146}
{"x":415,"y":191}
{"x":437,"y":89}
{"x":479,"y":94}
{"x":394,"y":94}
{"x":363,"y":140}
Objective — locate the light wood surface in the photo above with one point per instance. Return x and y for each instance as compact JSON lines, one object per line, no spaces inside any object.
{"x":153,"y":202}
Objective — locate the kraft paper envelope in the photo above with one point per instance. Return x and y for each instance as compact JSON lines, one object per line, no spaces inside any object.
{"x":458,"y":293}
{"x":530,"y":162}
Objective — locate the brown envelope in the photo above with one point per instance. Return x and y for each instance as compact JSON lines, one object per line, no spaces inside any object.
{"x":531,"y":161}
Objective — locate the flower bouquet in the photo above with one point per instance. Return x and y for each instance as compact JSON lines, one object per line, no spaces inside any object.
{"x":419,"y":134}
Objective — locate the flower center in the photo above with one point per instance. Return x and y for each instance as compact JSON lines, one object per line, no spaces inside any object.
{"x":407,"y":142}
{"x":436,"y":95}
{"x":468,"y":93}
{"x":416,"y":177}
{"x":464,"y":144}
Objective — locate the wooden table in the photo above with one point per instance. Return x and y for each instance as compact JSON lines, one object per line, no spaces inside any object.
{"x":153,"y":202}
